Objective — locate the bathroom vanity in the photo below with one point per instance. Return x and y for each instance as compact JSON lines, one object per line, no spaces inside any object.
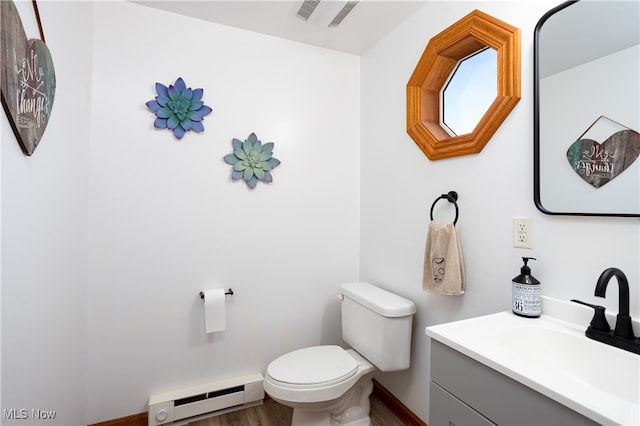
{"x":505,"y":369}
{"x":464,"y":391}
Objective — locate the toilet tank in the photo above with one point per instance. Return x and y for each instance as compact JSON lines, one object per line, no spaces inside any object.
{"x":377,"y":324}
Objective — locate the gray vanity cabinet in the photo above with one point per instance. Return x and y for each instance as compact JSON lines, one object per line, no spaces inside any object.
{"x":466,"y":392}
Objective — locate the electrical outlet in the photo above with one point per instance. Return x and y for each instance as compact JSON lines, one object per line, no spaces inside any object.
{"x":522,"y":232}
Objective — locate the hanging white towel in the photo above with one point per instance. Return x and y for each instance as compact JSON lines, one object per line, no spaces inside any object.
{"x":443,"y":266}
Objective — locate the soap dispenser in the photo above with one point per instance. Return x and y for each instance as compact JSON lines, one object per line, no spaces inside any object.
{"x":525,"y":292}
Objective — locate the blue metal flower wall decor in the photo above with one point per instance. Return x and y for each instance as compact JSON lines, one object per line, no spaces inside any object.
{"x":252,"y":160}
{"x":178,"y":108}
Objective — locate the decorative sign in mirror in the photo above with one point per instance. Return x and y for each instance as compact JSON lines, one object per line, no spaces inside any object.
{"x":587,"y":109}
{"x":476,"y":37}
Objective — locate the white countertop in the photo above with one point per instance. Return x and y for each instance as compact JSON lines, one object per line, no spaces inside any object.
{"x":554,"y":357}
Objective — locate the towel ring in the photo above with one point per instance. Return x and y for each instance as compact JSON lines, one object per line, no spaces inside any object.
{"x":452,"y":197}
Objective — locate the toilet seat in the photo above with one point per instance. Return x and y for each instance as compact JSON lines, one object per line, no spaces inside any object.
{"x":313,"y":366}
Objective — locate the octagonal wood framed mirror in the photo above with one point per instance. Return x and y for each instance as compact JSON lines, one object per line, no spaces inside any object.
{"x":473,"y":33}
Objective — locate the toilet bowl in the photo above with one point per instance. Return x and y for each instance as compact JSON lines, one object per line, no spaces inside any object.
{"x":329,"y":385}
{"x":323,"y":384}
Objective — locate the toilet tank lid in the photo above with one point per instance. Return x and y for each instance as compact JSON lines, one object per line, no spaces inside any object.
{"x":378,"y":300}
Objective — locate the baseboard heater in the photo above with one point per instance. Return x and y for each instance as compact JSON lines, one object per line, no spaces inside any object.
{"x":186,"y":405}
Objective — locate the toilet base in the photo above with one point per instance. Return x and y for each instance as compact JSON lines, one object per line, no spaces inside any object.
{"x":352,"y":408}
{"x":310,"y":418}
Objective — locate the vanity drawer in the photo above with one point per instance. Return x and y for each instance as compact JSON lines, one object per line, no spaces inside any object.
{"x":495,"y":396}
{"x":447,"y":410}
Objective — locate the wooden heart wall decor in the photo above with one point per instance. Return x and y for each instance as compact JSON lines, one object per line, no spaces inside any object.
{"x":28,"y":79}
{"x":599,"y":163}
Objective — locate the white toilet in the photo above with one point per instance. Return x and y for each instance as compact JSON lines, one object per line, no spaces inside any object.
{"x":328,"y":385}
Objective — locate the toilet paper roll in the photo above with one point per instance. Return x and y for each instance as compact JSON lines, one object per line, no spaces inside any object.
{"x":214,"y":310}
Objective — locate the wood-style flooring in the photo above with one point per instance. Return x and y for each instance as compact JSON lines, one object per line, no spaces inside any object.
{"x":273,"y":414}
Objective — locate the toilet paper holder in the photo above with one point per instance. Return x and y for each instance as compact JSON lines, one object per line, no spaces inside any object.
{"x":228,"y":292}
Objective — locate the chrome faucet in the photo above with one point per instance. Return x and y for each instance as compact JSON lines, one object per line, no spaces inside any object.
{"x":622,"y":336}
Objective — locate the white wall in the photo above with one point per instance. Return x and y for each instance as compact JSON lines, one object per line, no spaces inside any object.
{"x":104,"y":250}
{"x":567,"y":118}
{"x":399,"y":184}
{"x":44,"y":234}
{"x":166,"y":221}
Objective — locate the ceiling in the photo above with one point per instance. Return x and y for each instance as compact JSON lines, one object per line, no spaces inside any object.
{"x":368,"y":22}
{"x":586,"y":31}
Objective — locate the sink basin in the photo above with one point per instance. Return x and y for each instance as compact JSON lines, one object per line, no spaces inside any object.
{"x":576,"y":359}
{"x":552,"y":355}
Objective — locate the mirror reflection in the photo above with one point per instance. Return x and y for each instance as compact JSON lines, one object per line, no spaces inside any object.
{"x":469,"y":92}
{"x":587,"y":111}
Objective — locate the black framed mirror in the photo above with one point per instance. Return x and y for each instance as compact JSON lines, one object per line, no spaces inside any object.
{"x":587,"y":109}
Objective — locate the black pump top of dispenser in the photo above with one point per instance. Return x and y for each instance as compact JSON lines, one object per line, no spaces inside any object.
{"x":525,"y":276}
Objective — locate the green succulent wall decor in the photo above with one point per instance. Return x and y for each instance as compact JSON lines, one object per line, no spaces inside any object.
{"x":252,"y":160}
{"x":178,"y":108}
